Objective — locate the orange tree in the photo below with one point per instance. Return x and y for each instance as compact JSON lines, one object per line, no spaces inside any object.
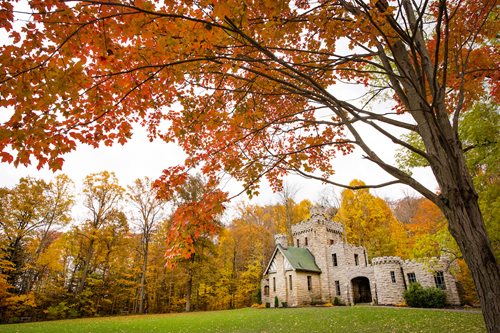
{"x":245,"y":88}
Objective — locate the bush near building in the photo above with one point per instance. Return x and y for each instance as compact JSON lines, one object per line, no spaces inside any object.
{"x":419,"y":297}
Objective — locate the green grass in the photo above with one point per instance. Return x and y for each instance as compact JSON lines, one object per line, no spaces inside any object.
{"x":334,"y":319}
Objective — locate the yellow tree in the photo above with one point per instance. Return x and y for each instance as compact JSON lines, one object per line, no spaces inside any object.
{"x":369,"y":222}
{"x":102,"y":196}
{"x":29,"y":214}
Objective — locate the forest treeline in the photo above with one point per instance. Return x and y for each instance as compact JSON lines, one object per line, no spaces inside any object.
{"x":113,"y":261}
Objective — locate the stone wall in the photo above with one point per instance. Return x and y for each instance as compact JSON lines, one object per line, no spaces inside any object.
{"x":389,"y":287}
{"x":304,"y":296}
{"x":281,"y":284}
{"x":424,"y":272}
{"x":346,"y":269}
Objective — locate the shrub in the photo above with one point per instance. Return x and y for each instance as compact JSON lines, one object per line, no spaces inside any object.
{"x":284,"y":304}
{"x":328,"y":304}
{"x":337,"y":301}
{"x":59,"y":311}
{"x":276,"y":302}
{"x":419,"y":297}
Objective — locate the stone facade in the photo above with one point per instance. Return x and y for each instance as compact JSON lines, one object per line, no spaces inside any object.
{"x":342,"y":270}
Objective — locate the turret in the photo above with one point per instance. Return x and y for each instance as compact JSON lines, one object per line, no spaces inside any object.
{"x":390,"y":279}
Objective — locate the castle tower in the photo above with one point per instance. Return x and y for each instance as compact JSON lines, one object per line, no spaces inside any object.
{"x":317,"y":234}
{"x":390,"y":280}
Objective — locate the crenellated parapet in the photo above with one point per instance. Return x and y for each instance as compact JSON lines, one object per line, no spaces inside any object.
{"x":430,"y":264}
{"x":318,"y":217}
{"x":388,"y":260}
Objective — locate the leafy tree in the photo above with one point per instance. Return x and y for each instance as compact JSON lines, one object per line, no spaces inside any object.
{"x":255,"y":85}
{"x":29,"y":213}
{"x":368,"y":222}
{"x":150,"y":208}
{"x":102,"y":195}
{"x":287,"y":204}
{"x":478,"y":131}
{"x":405,"y":208}
{"x":192,"y":230}
{"x":5,"y":286}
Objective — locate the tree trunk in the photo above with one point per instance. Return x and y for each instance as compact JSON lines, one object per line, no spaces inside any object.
{"x":459,"y":202}
{"x":467,"y":227}
{"x":458,"y":198}
{"x":142,"y":292}
{"x":86,"y":265}
{"x":189,"y":288}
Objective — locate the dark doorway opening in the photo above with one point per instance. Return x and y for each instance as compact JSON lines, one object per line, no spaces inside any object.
{"x":361,"y":290}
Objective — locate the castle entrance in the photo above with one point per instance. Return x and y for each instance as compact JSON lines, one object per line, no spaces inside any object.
{"x":361,"y":290}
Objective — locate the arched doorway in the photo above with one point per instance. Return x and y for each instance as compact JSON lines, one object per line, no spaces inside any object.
{"x":361,"y":290}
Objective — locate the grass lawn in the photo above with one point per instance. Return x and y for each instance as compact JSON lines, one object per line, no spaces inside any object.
{"x":290,"y":320}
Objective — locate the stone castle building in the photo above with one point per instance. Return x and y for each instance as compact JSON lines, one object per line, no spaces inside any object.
{"x":321,"y":266}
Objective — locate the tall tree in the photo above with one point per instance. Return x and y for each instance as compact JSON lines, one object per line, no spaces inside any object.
{"x":102,"y":195}
{"x":192,"y":231}
{"x":29,"y":213}
{"x":479,"y":130}
{"x":255,"y":84}
{"x":150,"y":209}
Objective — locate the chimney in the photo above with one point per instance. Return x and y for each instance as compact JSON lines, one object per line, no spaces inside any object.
{"x":281,"y":239}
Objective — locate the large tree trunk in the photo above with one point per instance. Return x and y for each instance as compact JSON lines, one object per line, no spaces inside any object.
{"x":467,"y":227}
{"x":459,"y":202}
{"x":458,"y":198}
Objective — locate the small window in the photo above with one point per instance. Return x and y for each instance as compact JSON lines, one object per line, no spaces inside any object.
{"x":331,"y":242}
{"x":274,"y":284}
{"x":298,"y":242}
{"x":411,"y":277}
{"x":266,"y":290}
{"x":334,"y":258}
{"x":290,"y":279}
{"x":309,"y":283}
{"x":337,"y":287}
{"x":356,"y":259}
{"x":306,"y":241}
{"x":439,"y":280}
{"x":393,"y":277}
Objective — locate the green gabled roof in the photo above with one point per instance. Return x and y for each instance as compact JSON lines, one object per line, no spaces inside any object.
{"x":301,"y":259}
